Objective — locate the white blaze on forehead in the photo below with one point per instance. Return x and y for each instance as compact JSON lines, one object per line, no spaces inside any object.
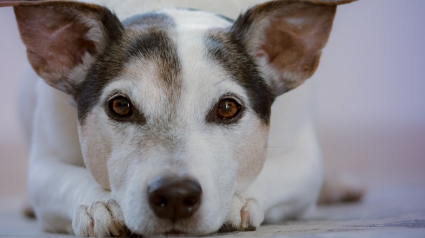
{"x":203,"y":79}
{"x":194,"y":19}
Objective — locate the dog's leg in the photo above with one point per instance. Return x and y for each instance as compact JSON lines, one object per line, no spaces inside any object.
{"x":58,"y":189}
{"x":287,"y":187}
{"x":73,"y":195}
{"x":340,"y":187}
{"x":63,"y":193}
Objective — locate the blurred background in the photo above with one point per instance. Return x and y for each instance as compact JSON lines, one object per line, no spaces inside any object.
{"x":370,"y":108}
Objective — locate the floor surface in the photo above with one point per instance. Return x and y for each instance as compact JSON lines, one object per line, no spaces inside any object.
{"x":382,"y":213}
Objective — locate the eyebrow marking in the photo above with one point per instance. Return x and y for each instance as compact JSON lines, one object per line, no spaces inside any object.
{"x":146,"y":36}
{"x":157,"y":46}
{"x":223,"y":48}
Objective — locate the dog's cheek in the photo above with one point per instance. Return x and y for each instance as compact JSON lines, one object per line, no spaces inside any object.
{"x":251,"y":153}
{"x":96,"y":148}
{"x":128,"y":185}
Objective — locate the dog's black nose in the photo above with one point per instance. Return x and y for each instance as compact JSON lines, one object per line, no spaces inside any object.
{"x":174,"y":198}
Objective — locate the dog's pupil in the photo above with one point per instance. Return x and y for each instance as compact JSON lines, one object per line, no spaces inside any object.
{"x":227,"y":109}
{"x":121,"y":106}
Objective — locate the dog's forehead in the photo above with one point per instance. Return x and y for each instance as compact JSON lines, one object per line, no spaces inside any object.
{"x":171,"y":74}
{"x":179,"y":18}
{"x":176,"y":51}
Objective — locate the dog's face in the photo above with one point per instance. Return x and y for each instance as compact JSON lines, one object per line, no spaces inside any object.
{"x":170,"y":107}
{"x":174,"y":106}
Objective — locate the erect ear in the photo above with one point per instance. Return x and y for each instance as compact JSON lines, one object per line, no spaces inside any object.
{"x":60,"y":35}
{"x":286,"y":38}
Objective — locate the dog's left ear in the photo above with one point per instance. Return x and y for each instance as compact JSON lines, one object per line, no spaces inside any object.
{"x":286,"y":38}
{"x":60,"y":35}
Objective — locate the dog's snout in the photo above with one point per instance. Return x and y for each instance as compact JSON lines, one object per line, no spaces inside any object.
{"x":174,"y":198}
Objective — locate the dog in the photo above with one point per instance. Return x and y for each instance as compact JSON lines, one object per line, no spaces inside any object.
{"x":159,"y":124}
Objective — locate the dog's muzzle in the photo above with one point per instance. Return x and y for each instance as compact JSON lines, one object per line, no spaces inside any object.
{"x":174,"y":198}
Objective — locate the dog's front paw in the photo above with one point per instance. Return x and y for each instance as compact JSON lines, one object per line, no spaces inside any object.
{"x":244,"y":215}
{"x":101,"y":219}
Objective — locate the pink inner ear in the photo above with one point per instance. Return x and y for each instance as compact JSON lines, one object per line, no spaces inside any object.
{"x":55,"y":41}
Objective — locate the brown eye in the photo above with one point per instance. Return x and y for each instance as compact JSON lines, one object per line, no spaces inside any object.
{"x":228,"y":109}
{"x":120,"y":106}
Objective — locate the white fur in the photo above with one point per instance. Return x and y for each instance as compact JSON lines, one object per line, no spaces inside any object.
{"x":287,"y":186}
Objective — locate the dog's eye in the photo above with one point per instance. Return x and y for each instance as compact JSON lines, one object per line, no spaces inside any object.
{"x":228,"y":109}
{"x":120,"y":106}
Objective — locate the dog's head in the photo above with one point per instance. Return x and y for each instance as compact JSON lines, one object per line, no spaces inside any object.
{"x":174,"y":105}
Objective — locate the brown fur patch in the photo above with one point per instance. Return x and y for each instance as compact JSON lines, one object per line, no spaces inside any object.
{"x":296,"y":48}
{"x":251,"y":154}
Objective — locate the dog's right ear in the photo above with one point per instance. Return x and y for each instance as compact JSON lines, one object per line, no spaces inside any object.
{"x":60,"y":35}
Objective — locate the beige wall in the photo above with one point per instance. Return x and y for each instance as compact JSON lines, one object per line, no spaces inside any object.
{"x":370,"y":105}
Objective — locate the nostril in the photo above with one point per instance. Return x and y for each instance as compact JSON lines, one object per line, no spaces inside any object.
{"x":174,"y":198}
{"x":159,"y":201}
{"x":191,"y":201}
